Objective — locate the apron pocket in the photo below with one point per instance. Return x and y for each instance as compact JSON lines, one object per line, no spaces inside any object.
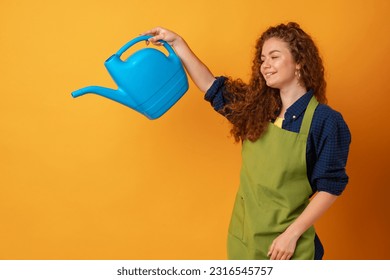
{"x":236,"y":227}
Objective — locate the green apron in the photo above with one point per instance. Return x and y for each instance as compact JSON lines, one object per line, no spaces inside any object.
{"x":274,"y":191}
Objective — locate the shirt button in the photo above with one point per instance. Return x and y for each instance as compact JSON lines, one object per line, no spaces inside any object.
{"x":294,"y":117}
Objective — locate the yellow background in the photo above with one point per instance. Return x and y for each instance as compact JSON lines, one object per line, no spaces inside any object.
{"x":88,"y":178}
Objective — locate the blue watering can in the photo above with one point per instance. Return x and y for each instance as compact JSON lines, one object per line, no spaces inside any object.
{"x":148,"y":81}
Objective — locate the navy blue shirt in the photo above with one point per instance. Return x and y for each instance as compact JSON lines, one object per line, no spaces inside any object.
{"x":327,"y":144}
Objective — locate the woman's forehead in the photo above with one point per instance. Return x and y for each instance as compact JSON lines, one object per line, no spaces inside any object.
{"x":273,"y":45}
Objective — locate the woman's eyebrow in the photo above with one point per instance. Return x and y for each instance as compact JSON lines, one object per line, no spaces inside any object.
{"x":271,"y":52}
{"x":274,"y":51}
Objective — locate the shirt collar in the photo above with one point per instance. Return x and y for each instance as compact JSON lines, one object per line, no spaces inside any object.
{"x":298,"y":108}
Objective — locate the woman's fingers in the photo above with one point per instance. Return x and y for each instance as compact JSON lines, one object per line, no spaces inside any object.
{"x":276,"y":254}
{"x":156,"y":36}
{"x":286,"y":256}
{"x":271,"y":249}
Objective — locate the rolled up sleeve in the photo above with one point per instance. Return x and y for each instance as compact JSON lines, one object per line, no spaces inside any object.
{"x":215,"y":94}
{"x":329,"y":171}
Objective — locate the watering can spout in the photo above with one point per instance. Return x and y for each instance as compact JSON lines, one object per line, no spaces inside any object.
{"x":113,"y":94}
{"x":106,"y":92}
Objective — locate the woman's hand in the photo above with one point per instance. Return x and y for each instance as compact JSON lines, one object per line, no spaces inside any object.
{"x":160,"y":33}
{"x":283,"y":247}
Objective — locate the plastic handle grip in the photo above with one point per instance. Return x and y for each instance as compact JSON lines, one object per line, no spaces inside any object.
{"x":143,"y":38}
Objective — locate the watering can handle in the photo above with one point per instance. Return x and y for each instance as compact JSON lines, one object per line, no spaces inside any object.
{"x":143,"y":38}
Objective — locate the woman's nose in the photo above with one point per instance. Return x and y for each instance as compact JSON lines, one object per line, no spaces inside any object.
{"x":265,"y":65}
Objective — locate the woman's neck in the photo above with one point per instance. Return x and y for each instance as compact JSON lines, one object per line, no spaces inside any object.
{"x":289,"y":97}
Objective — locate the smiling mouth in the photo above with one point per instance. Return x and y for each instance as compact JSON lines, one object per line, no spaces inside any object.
{"x":267,"y":75}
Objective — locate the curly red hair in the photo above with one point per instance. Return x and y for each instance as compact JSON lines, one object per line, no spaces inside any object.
{"x":252,"y":106}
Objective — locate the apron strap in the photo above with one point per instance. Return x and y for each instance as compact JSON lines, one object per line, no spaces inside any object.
{"x":307,"y":118}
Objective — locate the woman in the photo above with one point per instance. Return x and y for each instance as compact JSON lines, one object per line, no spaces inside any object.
{"x":294,"y":146}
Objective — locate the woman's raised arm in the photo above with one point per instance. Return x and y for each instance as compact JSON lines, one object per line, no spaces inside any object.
{"x":198,"y":71}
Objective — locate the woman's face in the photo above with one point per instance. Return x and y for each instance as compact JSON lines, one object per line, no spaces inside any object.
{"x":278,"y":66}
